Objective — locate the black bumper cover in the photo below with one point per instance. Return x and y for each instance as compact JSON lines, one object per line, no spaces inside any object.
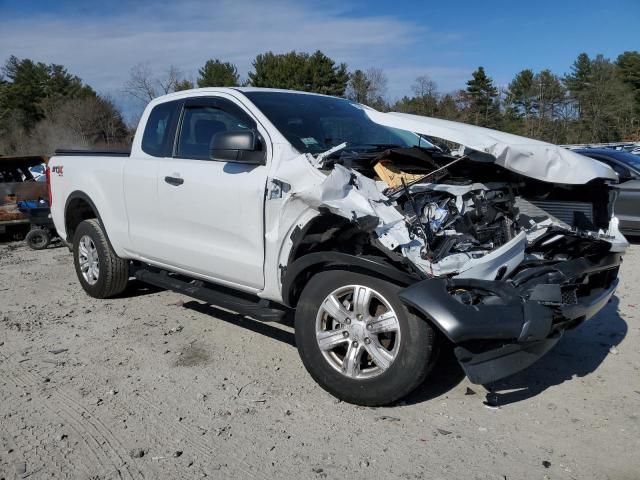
{"x":517,"y":320}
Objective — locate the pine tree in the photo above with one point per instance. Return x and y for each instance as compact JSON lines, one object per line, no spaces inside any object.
{"x":31,"y":86}
{"x":299,"y":71}
{"x":521,"y":93}
{"x":368,"y":88}
{"x":604,"y":103}
{"x":580,"y":75}
{"x":215,"y":73}
{"x":482,"y":95}
{"x":448,"y":107}
{"x":358,"y":87}
{"x":629,"y":71}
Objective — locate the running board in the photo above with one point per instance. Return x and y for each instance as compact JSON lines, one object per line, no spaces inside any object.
{"x":242,"y":303}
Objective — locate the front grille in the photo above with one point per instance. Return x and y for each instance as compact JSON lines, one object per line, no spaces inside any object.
{"x":569,"y":295}
{"x":598,"y":280}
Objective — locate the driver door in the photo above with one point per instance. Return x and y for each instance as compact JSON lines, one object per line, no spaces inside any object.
{"x":211,"y":211}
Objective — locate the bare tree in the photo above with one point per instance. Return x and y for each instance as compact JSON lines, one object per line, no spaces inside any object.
{"x":425,"y":87}
{"x":171,"y":79}
{"x":78,"y":123}
{"x":377,"y":88}
{"x":141,"y":84}
{"x":368,"y":88}
{"x":426,"y":95}
{"x":144,"y":86}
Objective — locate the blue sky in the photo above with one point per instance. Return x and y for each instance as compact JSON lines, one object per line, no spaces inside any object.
{"x":447,"y":40}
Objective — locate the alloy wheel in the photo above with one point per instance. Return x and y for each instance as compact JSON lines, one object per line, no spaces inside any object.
{"x":358,"y":331}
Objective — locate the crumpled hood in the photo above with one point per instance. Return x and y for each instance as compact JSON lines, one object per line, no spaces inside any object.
{"x":532,"y":158}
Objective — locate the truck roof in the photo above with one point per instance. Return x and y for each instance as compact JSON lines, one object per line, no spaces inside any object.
{"x":186,"y":93}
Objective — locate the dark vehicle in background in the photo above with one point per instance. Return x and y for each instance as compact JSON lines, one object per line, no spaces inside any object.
{"x":627,"y":166}
{"x":18,"y":184}
{"x":43,"y":231}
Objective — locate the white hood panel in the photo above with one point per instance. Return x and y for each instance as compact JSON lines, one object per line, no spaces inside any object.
{"x":528,"y":157}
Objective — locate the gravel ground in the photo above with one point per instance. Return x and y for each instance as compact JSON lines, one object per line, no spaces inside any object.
{"x":155,"y":385}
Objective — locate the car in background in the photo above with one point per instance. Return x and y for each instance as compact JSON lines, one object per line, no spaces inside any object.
{"x":627,"y":166}
{"x":17,"y":184}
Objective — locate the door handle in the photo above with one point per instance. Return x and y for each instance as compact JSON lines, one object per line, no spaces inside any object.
{"x":175,"y":181}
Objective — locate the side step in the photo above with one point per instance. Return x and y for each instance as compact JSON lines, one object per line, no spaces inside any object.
{"x":239,"y":302}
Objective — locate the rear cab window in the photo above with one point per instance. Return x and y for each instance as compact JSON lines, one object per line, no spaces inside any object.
{"x":159,"y":132}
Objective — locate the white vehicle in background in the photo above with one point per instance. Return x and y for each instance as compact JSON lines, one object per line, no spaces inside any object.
{"x":261,"y":201}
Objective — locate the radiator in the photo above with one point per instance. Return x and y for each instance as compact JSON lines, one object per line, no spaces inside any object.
{"x":562,"y":212}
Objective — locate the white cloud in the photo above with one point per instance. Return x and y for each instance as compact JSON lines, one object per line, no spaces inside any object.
{"x":102,"y":50}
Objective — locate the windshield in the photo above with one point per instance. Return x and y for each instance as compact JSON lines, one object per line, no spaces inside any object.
{"x":314,"y":123}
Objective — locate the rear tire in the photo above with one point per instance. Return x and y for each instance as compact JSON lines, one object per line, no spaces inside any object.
{"x":100,"y":271}
{"x":391,"y":359}
{"x":38,"y":239}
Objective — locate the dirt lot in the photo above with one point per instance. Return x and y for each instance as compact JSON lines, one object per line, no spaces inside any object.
{"x":155,"y":385}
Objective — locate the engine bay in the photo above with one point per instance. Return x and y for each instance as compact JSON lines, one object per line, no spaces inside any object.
{"x":450,"y":215}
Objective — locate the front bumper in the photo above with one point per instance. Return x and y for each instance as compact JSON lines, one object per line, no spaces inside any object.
{"x":501,"y":327}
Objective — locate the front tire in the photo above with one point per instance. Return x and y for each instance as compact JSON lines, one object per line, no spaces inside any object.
{"x":358,"y":341}
{"x":100,"y":271}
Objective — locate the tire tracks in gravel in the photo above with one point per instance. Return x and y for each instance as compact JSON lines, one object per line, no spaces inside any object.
{"x":193,"y":439}
{"x":30,"y":443}
{"x":103,"y":446}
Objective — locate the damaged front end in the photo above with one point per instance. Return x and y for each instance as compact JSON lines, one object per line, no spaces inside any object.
{"x":507,"y":261}
{"x":501,"y":327}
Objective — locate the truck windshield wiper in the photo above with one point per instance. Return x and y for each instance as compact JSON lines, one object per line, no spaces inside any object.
{"x":376,"y":146}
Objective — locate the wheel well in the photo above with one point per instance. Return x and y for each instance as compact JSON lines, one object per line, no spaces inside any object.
{"x":337,"y":243}
{"x":318,"y":235}
{"x":305,"y":276}
{"x":332,"y":233}
{"x":78,"y":209}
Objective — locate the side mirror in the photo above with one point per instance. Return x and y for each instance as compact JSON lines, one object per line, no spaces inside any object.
{"x":242,"y":146}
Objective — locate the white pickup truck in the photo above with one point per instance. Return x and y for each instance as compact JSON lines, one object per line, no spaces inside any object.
{"x":387,"y":243}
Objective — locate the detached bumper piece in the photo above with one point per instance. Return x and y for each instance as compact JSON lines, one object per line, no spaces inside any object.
{"x":501,"y":327}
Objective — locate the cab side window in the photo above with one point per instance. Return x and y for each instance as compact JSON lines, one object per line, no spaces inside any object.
{"x":202,"y":120}
{"x":159,"y":132}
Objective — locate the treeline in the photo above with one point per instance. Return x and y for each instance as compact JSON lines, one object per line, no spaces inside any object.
{"x":597,"y":101}
{"x":43,"y":107}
